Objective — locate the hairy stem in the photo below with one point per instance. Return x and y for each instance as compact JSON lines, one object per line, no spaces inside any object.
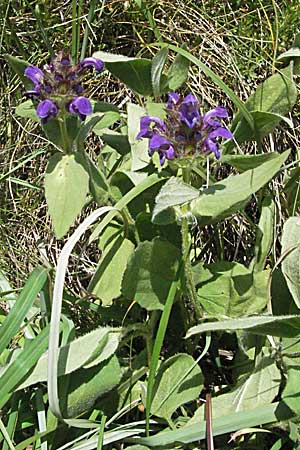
{"x":186,"y":245}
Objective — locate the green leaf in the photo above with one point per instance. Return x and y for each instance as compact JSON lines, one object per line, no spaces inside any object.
{"x":139,"y":148}
{"x":258,"y":388}
{"x":291,"y":394}
{"x":291,"y":262}
{"x":247,"y":162}
{"x":130,"y":196}
{"x":66,"y":188}
{"x":19,"y":66}
{"x":137,"y":447}
{"x":18,"y":370}
{"x":98,"y":184}
{"x":108,"y":119}
{"x":229,"y":289}
{"x":292,"y":190}
{"x":134,"y":72}
{"x":150,"y":273}
{"x":27,"y":110}
{"x":13,"y":321}
{"x":157,"y":67}
{"x":107,"y":57}
{"x":226,"y":424}
{"x":178,"y":72}
{"x":265,"y":123}
{"x":178,"y":381}
{"x":115,"y":140}
{"x":112,"y":266}
{"x":156,"y":110}
{"x":276,"y":95}
{"x":88,"y":350}
{"x":284,"y":326}
{"x":85,"y":386}
{"x":264,"y":233}
{"x":174,"y":192}
{"x":230,"y":195}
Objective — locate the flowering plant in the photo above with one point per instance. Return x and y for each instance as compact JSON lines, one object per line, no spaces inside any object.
{"x":59,"y":87}
{"x":148,"y":281}
{"x":184,"y":132}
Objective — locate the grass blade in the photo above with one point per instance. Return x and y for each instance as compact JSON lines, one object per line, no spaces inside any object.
{"x":216,"y":79}
{"x":19,"y":368}
{"x":6,"y":436}
{"x":53,"y":351}
{"x":74,"y":49}
{"x":87,"y":27}
{"x":232,"y":422}
{"x":163,"y":323}
{"x":17,"y":314}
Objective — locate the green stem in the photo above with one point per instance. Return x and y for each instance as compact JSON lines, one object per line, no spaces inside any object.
{"x":64,"y":135}
{"x":186,"y":245}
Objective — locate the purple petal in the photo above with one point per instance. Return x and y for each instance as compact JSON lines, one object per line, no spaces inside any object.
{"x":157,"y":142}
{"x":145,"y":130}
{"x":65,"y":61}
{"x":220,"y":132}
{"x":212,"y":146}
{"x":77,"y":88}
{"x":81,"y":106}
{"x":91,"y":61}
{"x":162,"y":146}
{"x":173,"y":98}
{"x":170,"y":153}
{"x":34,"y":74}
{"x":46,"y":109}
{"x":162,"y":158}
{"x":189,"y":110}
{"x":219,"y":112}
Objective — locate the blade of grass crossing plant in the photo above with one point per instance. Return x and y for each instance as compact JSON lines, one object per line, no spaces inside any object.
{"x":142,"y":5}
{"x":79,"y":12}
{"x":57,"y":306}
{"x":163,"y":323}
{"x":88,"y":26}
{"x":74,"y":31}
{"x":13,"y":419}
{"x":6,"y":436}
{"x":231,"y":422}
{"x":41,"y":415}
{"x":37,"y":14}
{"x":127,"y":198}
{"x":158,"y":63}
{"x":101,"y":433}
{"x":17,"y":314}
{"x":216,"y":79}
{"x":24,"y":362}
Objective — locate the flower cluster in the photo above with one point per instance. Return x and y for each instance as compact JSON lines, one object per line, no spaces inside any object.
{"x":59,"y":87}
{"x":184,"y":132}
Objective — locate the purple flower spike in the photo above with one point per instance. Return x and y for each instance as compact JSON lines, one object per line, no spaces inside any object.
{"x":189,"y":110}
{"x":218,"y":112}
{"x":46,"y":109}
{"x":34,"y":74}
{"x":145,"y":126}
{"x":81,"y":106}
{"x":91,"y":61}
{"x":173,"y":98}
